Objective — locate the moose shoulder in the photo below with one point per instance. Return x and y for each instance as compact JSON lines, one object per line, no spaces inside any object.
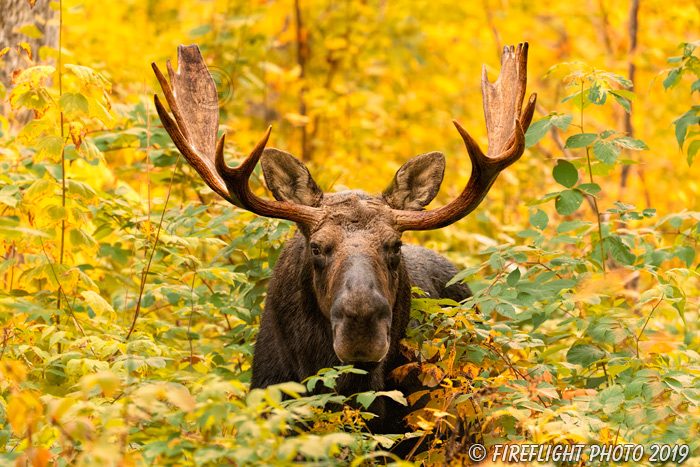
{"x":341,"y":290}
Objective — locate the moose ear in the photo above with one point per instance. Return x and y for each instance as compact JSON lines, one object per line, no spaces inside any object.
{"x":416,"y":183}
{"x":289,"y":179}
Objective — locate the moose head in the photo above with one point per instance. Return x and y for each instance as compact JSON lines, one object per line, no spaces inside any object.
{"x":352,"y":239}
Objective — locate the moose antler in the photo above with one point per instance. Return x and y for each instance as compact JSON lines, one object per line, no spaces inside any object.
{"x":505,"y":127}
{"x":194,"y":103}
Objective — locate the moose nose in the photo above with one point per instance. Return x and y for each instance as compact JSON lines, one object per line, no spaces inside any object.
{"x":361,"y":322}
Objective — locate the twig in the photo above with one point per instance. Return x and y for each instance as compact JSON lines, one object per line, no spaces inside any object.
{"x":150,"y":259}
{"x":189,"y":323}
{"x":631,"y":68}
{"x":646,"y":322}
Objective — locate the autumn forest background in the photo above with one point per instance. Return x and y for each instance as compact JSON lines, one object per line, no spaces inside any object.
{"x":132,"y":293}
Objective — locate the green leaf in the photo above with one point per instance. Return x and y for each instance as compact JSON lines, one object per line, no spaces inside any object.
{"x":565,"y":173}
{"x":693,"y":150}
{"x":33,"y":99}
{"x":513,"y":278}
{"x":568,"y":226}
{"x":82,"y":240}
{"x":568,"y":202}
{"x":527,"y":233}
{"x":88,"y":76}
{"x":91,"y":153}
{"x":623,"y":102}
{"x":506,"y":310}
{"x":589,"y":188}
{"x":537,"y":131}
{"x":539,"y":219}
{"x":619,"y":251}
{"x":695,"y":86}
{"x":596,"y":94}
{"x":584,"y":355}
{"x":580,"y":140}
{"x":682,"y":123}
{"x":562,"y":121}
{"x":686,"y":254}
{"x":629,"y":95}
{"x":200,"y":30}
{"x":631,"y":143}
{"x":73,"y":104}
{"x":672,"y":79}
{"x":606,"y":152}
{"x":54,"y":213}
{"x":463,"y":274}
{"x":611,"y":398}
{"x":8,"y":196}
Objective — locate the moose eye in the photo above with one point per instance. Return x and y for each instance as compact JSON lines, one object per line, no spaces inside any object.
{"x":315,"y":250}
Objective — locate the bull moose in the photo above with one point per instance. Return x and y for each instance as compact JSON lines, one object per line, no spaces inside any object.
{"x":340,"y":292}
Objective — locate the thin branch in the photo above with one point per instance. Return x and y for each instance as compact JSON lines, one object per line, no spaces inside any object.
{"x":647,"y":322}
{"x":632,"y":29}
{"x":189,"y":323}
{"x":150,"y":259}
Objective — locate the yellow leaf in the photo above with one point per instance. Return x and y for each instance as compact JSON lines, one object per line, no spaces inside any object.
{"x":336,"y":43}
{"x":13,"y":371}
{"x":297,"y":119}
{"x":180,"y":396}
{"x":49,"y":147}
{"x":57,"y":408}
{"x":88,"y":76}
{"x":24,"y":412}
{"x":35,"y":76}
{"x":39,"y":190}
{"x":90,"y":151}
{"x":77,"y":132}
{"x":31,"y":30}
{"x":83,"y":241}
{"x":107,"y":381}
{"x":27,"y":48}
{"x":98,"y":111}
{"x":98,"y":304}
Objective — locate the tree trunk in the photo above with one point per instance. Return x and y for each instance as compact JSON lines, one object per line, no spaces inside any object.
{"x":16,"y":14}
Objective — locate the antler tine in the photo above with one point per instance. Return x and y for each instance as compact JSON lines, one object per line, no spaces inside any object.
{"x":506,"y":125}
{"x":194,"y":103}
{"x":236,"y":179}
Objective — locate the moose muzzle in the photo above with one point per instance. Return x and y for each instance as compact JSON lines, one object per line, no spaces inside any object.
{"x":360,"y":317}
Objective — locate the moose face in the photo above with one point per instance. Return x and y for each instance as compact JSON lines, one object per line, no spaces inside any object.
{"x":355,"y":248}
{"x":356,"y":253}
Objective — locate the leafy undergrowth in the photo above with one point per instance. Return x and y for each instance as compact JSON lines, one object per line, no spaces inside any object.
{"x":128,"y":324}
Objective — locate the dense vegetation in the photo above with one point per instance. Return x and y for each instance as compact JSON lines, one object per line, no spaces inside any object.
{"x":132,"y":293}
